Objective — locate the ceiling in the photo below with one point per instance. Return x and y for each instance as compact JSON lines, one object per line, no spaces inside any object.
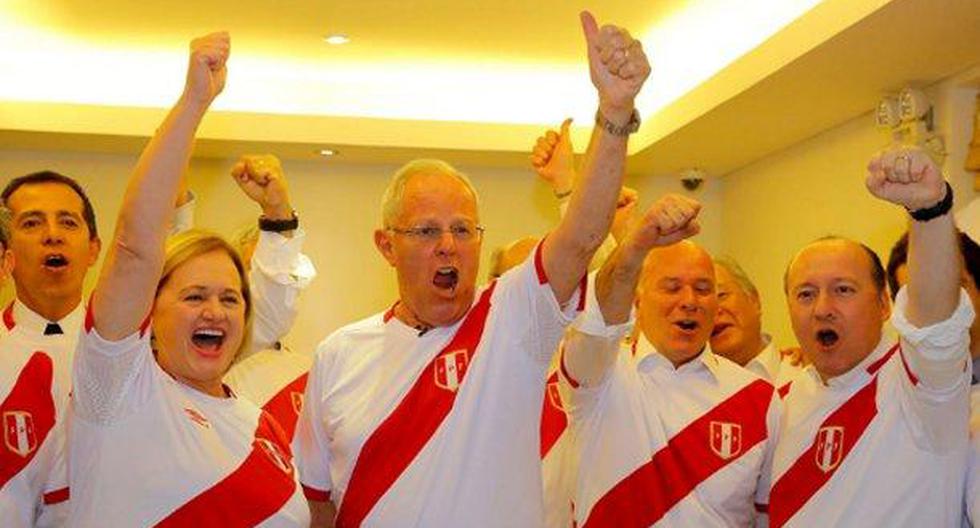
{"x":472,"y":81}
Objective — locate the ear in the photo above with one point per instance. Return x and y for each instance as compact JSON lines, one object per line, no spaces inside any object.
{"x":886,"y":305}
{"x":94,"y":247}
{"x":385,"y":245}
{"x":757,"y":302}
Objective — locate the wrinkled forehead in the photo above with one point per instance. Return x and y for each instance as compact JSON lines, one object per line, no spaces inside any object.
{"x":45,"y":197}
{"x":438,"y":196}
{"x":829,"y":260}
{"x":684,"y":261}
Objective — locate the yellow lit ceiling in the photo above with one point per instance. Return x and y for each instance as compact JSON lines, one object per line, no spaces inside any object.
{"x":475,"y":78}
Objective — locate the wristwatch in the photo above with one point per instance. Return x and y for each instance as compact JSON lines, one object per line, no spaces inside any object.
{"x":279,"y":226}
{"x":941,"y":208}
{"x":618,"y":130}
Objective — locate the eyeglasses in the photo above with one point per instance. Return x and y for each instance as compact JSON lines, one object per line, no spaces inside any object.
{"x":465,"y":232}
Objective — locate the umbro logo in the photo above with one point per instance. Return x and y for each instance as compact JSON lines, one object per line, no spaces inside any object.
{"x":197,"y":417}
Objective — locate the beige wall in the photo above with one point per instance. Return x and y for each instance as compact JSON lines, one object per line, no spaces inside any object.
{"x":777,"y":204}
{"x":339,"y":207}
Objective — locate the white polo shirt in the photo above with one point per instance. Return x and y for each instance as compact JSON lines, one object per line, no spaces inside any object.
{"x":34,"y":387}
{"x":666,"y":446}
{"x":147,"y":450}
{"x":884,"y":444}
{"x":274,"y":380}
{"x":481,"y":464}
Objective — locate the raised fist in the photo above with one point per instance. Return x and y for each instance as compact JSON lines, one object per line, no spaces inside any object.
{"x":670,"y":219}
{"x":623,"y":217}
{"x":618,"y":67}
{"x":554,"y":160}
{"x":262,"y":179}
{"x":206,"y":71}
{"x":906,"y":176}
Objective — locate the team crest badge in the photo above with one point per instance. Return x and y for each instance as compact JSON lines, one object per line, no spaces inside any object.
{"x":726,"y":439}
{"x":554,"y":396}
{"x":275,"y":455}
{"x":297,"y":398}
{"x":450,"y":369}
{"x":829,"y":447}
{"x":18,"y":432}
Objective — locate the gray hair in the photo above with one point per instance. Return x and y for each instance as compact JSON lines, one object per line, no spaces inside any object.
{"x":737,"y":273}
{"x":391,"y":202}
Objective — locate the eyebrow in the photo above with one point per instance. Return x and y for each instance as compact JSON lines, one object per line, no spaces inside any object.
{"x":33,"y":213}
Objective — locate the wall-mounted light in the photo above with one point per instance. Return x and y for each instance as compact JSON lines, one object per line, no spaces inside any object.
{"x":913,"y":104}
{"x":692,"y":179}
{"x":886,"y":114}
{"x":326,"y":152}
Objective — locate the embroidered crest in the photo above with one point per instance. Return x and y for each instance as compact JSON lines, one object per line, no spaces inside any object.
{"x":18,"y":432}
{"x":726,"y":439}
{"x":829,"y":448}
{"x":275,"y":455}
{"x":450,"y":369}
{"x":554,"y":396}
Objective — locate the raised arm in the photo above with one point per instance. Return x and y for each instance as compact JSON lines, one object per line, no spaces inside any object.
{"x":907,"y":176}
{"x":670,"y":219}
{"x":125,"y":291}
{"x":618,"y":68}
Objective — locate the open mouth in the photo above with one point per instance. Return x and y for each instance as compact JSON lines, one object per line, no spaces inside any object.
{"x":446,"y":278}
{"x":827,"y":337}
{"x":719,"y":328}
{"x":55,"y":261}
{"x":687,"y":325}
{"x":208,"y":339}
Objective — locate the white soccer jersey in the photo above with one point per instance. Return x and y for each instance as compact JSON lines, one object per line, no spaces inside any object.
{"x":557,"y":465}
{"x":34,"y":386}
{"x":437,"y":429}
{"x":275,"y":381}
{"x":884,"y":444}
{"x":147,"y":450}
{"x":770,"y":365}
{"x":665,"y":446}
{"x":973,"y":470}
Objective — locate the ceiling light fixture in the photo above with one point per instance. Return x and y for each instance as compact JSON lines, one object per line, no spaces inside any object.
{"x":336,"y":39}
{"x":327,"y":152}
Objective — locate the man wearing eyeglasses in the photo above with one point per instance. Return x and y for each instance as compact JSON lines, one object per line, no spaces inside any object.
{"x":428,"y":414}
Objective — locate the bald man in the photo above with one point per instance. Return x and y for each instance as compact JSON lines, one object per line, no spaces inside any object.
{"x":667,"y":433}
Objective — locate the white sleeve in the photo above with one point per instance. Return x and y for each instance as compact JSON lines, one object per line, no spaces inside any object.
{"x":105,"y":374}
{"x":279,"y":272}
{"x":183,"y":219}
{"x":936,"y":394}
{"x":530,"y":309}
{"x":310,"y":442}
{"x":972,"y":495}
{"x":773,"y":418}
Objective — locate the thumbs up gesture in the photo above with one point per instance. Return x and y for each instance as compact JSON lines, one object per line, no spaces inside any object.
{"x":554,"y":160}
{"x":618,"y":67}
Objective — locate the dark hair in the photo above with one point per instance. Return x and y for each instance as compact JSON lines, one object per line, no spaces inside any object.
{"x":877,"y":270}
{"x":899,"y":257}
{"x":53,"y":177}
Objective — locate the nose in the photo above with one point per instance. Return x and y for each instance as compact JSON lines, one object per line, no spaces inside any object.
{"x":212,"y":310}
{"x":823,"y":308}
{"x":688,"y":299}
{"x":53,"y":233}
{"x":446,"y":244}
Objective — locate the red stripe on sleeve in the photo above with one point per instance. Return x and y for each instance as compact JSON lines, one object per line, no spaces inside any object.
{"x":314,"y":494}
{"x":56,"y":496}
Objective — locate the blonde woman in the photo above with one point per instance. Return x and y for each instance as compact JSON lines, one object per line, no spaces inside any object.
{"x":156,"y":438}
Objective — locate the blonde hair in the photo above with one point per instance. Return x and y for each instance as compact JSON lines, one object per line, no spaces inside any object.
{"x":391,"y":202}
{"x":195,"y":242}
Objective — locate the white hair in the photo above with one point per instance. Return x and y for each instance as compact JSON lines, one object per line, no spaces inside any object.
{"x":391,"y":202}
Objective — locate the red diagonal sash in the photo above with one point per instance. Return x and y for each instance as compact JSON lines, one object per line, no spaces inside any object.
{"x":255,"y":491}
{"x":693,"y":455}
{"x":286,"y":405}
{"x":27,"y":416}
{"x":553,"y":417}
{"x":402,"y":435}
{"x":835,"y":439}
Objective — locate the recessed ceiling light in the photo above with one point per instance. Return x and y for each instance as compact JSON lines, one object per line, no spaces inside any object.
{"x":327,"y":152}
{"x":336,"y":39}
